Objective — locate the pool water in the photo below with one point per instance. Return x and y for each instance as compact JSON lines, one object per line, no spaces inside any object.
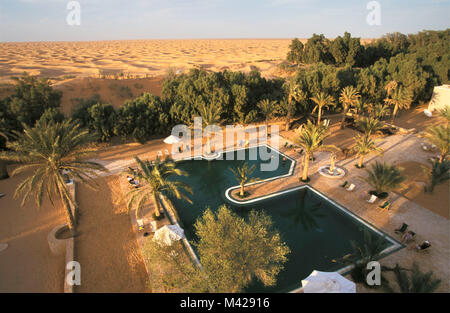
{"x":316,"y":229}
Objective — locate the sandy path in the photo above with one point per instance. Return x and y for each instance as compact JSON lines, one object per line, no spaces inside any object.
{"x":106,"y":247}
{"x":27,"y":264}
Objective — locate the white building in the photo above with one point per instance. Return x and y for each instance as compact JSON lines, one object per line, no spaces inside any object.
{"x":440,"y":98}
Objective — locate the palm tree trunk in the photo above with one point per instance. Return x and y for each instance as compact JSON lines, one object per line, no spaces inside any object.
{"x":441,"y":158}
{"x":360,"y":162}
{"x":332,"y":163}
{"x":157,"y":205}
{"x":69,"y":216}
{"x":242,"y":190}
{"x":394,"y":113}
{"x":319,"y":115}
{"x":343,"y":117}
{"x":305,"y":167}
{"x":289,"y":114}
{"x":3,"y":170}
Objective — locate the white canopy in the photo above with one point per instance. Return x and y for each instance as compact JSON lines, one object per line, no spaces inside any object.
{"x":172,"y":139}
{"x":168,"y":234}
{"x":327,"y":282}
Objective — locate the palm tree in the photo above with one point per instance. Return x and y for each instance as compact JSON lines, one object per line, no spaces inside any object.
{"x":440,"y":137}
{"x":155,"y":181}
{"x":365,"y":145}
{"x":297,"y":94}
{"x":363,"y":253}
{"x":3,"y":170}
{"x":384,"y":177}
{"x":311,"y":140}
{"x":243,"y":175}
{"x":378,"y":111}
{"x":53,"y":150}
{"x":397,"y":96}
{"x":349,"y":96}
{"x":358,"y":107}
{"x":210,"y":115}
{"x":417,"y":282}
{"x":438,"y":174}
{"x":267,"y":108}
{"x":322,"y":101}
{"x":368,"y":125}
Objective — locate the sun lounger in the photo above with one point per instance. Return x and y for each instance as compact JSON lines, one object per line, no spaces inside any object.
{"x":425,"y":245}
{"x":386,"y":205}
{"x":402,"y":229}
{"x":344,"y":184}
{"x":372,"y":199}
{"x":351,"y":187}
{"x":140,"y":223}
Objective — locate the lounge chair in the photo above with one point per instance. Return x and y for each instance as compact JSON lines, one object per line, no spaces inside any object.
{"x":372,"y":199}
{"x":344,"y":184}
{"x":351,"y":187}
{"x":402,"y":229}
{"x":2,"y":195}
{"x":386,"y":205}
{"x":140,"y":223}
{"x":425,"y":245}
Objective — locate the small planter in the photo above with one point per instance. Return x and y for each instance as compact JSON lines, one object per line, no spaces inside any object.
{"x":58,"y":238}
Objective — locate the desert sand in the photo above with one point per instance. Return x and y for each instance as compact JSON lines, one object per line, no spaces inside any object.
{"x":139,"y":57}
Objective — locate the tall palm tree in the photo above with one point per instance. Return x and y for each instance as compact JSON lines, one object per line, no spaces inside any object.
{"x":416,"y":282}
{"x":322,"y":101}
{"x":358,"y":107}
{"x":378,"y":111}
{"x":267,"y":108}
{"x":311,"y":140}
{"x":155,"y":180}
{"x":397,"y":96}
{"x":365,"y":145}
{"x":384,"y":177}
{"x":210,"y":115}
{"x":349,"y":96}
{"x":368,"y":125}
{"x":297,"y":94}
{"x":440,"y":137}
{"x":438,"y":174}
{"x":243,"y":175}
{"x":53,"y":150}
{"x":3,"y":170}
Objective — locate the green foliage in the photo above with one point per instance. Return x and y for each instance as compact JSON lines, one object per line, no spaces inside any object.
{"x":156,"y":179}
{"x":142,"y":118}
{"x":171,"y":270}
{"x":368,"y":125}
{"x":51,"y":115}
{"x":439,"y":174}
{"x":234,"y":251}
{"x":243,"y":175}
{"x":416,"y":282}
{"x":384,"y":177}
{"x":440,"y":137}
{"x":363,"y":253}
{"x":48,"y":149}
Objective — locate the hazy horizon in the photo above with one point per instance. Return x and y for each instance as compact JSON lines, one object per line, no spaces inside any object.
{"x":106,"y":20}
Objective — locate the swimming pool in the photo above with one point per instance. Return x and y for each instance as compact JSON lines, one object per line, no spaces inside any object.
{"x":316,"y":229}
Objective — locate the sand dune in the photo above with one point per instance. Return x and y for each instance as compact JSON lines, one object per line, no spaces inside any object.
{"x":139,"y":57}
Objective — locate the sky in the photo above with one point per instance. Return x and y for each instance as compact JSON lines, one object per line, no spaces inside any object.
{"x":46,"y":20}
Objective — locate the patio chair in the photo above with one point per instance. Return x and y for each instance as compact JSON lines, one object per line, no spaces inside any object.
{"x":351,"y":187}
{"x":344,"y":184}
{"x":402,"y":229}
{"x":386,"y":205}
{"x":140,"y":223}
{"x":372,"y":199}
